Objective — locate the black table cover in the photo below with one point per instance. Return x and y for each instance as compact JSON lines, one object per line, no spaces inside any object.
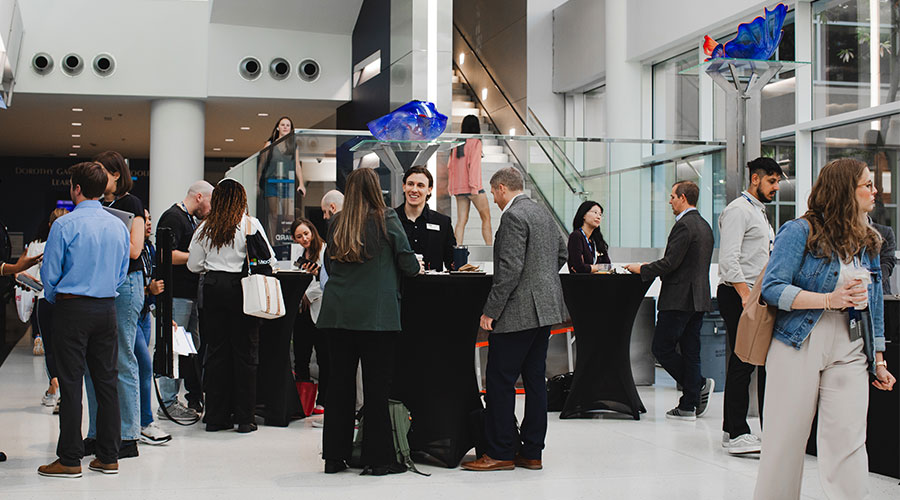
{"x":602,"y":308}
{"x":276,"y":394}
{"x":435,"y":362}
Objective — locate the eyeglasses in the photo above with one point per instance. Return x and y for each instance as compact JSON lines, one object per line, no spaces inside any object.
{"x":595,"y":212}
{"x":867,"y":185}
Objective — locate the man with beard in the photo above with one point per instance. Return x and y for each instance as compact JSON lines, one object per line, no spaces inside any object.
{"x":183,"y":218}
{"x":744,"y":244}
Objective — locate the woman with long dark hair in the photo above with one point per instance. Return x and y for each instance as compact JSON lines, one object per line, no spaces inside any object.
{"x":219,"y":250}
{"x":824,"y":275}
{"x":466,"y":183}
{"x":278,"y":161}
{"x":366,"y":255}
{"x":306,"y":335}
{"x":587,"y":248}
{"x":129,"y":301}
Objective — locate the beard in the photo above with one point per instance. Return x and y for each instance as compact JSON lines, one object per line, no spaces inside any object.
{"x":762,"y":197}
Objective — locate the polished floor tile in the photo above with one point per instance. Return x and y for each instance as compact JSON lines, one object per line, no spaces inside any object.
{"x":609,"y":456}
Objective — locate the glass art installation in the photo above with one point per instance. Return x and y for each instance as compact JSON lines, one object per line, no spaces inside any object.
{"x":757,"y":39}
{"x":414,"y":121}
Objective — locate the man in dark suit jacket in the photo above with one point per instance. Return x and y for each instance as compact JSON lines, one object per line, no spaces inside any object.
{"x":429,"y":232}
{"x":684,"y":297}
{"x":888,"y":247}
{"x":525,"y":300}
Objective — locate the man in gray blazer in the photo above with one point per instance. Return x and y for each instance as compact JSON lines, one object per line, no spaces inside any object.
{"x":684,"y":297}
{"x":525,"y":300}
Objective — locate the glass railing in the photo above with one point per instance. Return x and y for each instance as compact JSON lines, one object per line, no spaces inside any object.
{"x":630,"y":182}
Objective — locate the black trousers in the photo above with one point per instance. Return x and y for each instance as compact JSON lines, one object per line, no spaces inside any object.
{"x":85,"y":333}
{"x":510,"y":355}
{"x":306,"y":335}
{"x":232,"y":351}
{"x":682,"y":329}
{"x":737,"y":378}
{"x":376,"y":351}
{"x":44,"y":314}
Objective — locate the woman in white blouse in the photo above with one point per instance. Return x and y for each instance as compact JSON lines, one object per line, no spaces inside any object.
{"x":219,"y":250}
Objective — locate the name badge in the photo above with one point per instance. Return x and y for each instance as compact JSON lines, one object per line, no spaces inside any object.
{"x":433,"y":227}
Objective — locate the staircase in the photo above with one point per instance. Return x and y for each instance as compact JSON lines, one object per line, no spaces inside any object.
{"x":495,"y":158}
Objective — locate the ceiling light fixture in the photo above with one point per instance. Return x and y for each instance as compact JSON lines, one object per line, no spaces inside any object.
{"x":462,"y":58}
{"x":76,"y":136}
{"x":217,"y":149}
{"x":77,"y":110}
{"x":262,"y":114}
{"x":76,"y":146}
{"x":72,"y":154}
{"x":229,"y":140}
{"x":245,"y":128}
{"x":76,"y":124}
{"x":483,"y":94}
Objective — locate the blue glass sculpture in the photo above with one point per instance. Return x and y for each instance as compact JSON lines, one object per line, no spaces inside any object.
{"x":757,"y":39}
{"x":414,"y":121}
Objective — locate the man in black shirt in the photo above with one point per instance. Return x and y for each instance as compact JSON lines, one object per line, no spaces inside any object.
{"x":430,"y":233}
{"x":183,"y":218}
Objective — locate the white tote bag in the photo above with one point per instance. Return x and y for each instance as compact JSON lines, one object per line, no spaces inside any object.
{"x":262,"y":294}
{"x":25,"y":303}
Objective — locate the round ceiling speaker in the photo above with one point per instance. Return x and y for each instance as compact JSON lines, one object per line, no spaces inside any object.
{"x":308,"y":70}
{"x":42,"y":63}
{"x":250,"y":68}
{"x":72,"y":65}
{"x":279,"y":68}
{"x":104,"y":65}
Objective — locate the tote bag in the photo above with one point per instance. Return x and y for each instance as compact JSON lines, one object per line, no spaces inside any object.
{"x":262,"y":294}
{"x":754,"y":332}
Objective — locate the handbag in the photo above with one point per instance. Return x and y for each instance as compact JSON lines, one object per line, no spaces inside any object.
{"x":262,"y":295}
{"x":754,"y":331}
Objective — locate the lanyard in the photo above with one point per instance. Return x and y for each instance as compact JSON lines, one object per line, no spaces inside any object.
{"x":765,"y":218}
{"x":190,"y":217}
{"x":591,"y":246}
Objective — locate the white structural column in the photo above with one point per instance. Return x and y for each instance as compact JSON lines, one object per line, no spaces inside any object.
{"x":623,"y":120}
{"x":803,"y":158}
{"x":177,"y":128}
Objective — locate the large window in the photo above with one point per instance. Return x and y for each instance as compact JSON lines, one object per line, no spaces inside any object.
{"x":783,"y":207}
{"x":676,"y":99}
{"x":878,"y":148}
{"x":856,"y":60}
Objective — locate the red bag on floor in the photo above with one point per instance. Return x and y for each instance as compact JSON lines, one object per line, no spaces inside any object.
{"x":307,"y":391}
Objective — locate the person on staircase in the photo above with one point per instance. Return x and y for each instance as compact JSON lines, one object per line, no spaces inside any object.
{"x":466,"y":184}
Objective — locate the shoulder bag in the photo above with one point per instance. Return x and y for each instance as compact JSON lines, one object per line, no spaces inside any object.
{"x":754,"y":332}
{"x":262,"y":293}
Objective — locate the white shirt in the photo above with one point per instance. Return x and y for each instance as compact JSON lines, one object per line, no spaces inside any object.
{"x":745,"y":240}
{"x":510,"y":202}
{"x":229,"y":258}
{"x":314,"y":290}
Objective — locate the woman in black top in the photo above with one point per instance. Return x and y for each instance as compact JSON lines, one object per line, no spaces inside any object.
{"x":587,"y":248}
{"x":129,"y":302}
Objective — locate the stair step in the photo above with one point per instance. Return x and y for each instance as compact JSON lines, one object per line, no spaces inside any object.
{"x":495,"y":158}
{"x":462,"y":97}
{"x":459,"y":90}
{"x":491,"y":149}
{"x":463,"y":104}
{"x":465,"y":111}
{"x":455,"y":79}
{"x":459,"y":118}
{"x":458,"y":85}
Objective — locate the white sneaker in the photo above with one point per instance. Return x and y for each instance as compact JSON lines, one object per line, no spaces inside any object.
{"x":318,"y":424}
{"x":725,"y":439}
{"x":49,"y":400}
{"x":743,"y":444}
{"x":152,"y":434}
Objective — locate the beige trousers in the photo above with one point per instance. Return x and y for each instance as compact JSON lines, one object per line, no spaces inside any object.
{"x":828,"y":373}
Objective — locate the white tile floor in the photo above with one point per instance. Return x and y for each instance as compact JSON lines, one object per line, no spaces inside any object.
{"x":608,"y":457}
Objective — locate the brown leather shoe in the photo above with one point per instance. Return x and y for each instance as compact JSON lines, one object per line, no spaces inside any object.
{"x":527,"y":463}
{"x":98,"y":466}
{"x":57,"y":469}
{"x":486,"y":463}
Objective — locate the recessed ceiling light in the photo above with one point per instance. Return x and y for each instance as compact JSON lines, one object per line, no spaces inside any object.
{"x":217,"y":149}
{"x":76,"y":124}
{"x":245,"y":128}
{"x":72,"y":154}
{"x":76,"y":136}
{"x":229,"y":140}
{"x":262,"y":114}
{"x":76,"y":146}
{"x":77,"y":110}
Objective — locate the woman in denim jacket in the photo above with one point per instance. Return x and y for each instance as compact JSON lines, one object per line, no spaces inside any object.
{"x":816,"y":360}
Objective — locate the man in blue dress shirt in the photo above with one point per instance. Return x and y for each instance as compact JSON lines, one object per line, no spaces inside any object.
{"x":85,"y":261}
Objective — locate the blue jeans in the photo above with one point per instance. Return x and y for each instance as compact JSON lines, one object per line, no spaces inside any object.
{"x":145,"y":368}
{"x":184,"y":313}
{"x":128,"y":308}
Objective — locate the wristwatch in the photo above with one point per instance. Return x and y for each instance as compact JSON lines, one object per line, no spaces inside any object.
{"x":881,"y":363}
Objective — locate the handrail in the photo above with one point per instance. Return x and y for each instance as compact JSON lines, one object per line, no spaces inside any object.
{"x":559,"y":149}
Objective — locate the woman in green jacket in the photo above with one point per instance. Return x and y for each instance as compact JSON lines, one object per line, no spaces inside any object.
{"x":366,"y":254}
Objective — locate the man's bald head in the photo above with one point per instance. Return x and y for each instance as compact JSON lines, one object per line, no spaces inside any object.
{"x":332,"y":203}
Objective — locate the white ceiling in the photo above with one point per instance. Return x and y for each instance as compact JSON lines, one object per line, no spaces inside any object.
{"x":41,"y":124}
{"x":316,"y":16}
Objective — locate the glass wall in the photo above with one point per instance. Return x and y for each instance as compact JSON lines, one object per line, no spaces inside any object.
{"x":852,"y":68}
{"x":676,"y":99}
{"x":783,"y":207}
{"x":878,"y":149}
